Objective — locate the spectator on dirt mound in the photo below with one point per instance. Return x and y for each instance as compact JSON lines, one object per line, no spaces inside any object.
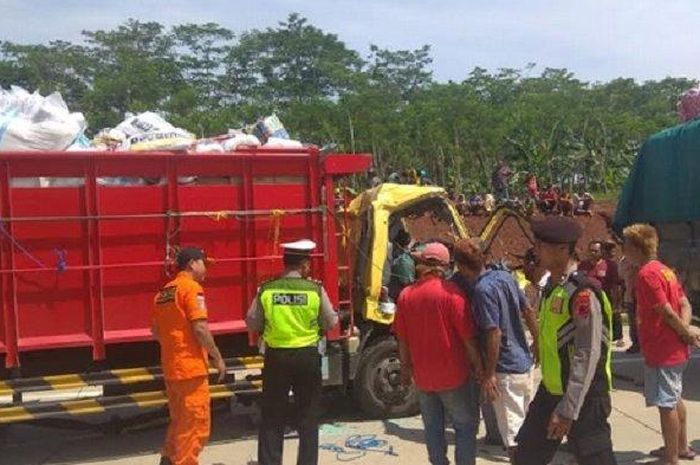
{"x":410,"y":176}
{"x":566,"y":204}
{"x":516,"y":204}
{"x":533,"y":189}
{"x":462,"y":205}
{"x":476,"y":205}
{"x":583,"y":203}
{"x":371,"y":175}
{"x":438,"y":350}
{"x":394,"y":178}
{"x":549,"y":200}
{"x":424,"y":179}
{"x":489,"y":203}
{"x":500,"y":179}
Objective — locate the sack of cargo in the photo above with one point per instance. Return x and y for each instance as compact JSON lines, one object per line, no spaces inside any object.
{"x":277,"y":143}
{"x":32,"y":122}
{"x":208,"y":146}
{"x":239,"y":141}
{"x":149,"y":131}
{"x":270,"y":127}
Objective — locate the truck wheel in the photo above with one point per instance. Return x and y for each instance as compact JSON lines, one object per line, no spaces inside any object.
{"x":378,"y":386}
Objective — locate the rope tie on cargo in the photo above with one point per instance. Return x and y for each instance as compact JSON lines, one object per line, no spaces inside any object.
{"x":344,"y":234}
{"x":61,"y":260}
{"x":275,"y":224}
{"x":4,"y":232}
{"x":219,"y":216}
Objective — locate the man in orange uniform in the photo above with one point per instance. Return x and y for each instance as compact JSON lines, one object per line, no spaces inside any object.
{"x":179,"y":321}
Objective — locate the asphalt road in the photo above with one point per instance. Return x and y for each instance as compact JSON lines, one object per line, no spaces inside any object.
{"x":635,"y":432}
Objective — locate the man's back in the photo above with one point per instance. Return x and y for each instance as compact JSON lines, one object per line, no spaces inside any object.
{"x":498,"y":303}
{"x":176,"y":306}
{"x":656,"y":286}
{"x":434,"y":320}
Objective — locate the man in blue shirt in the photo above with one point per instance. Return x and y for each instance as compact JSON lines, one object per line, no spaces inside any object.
{"x":499,"y":306}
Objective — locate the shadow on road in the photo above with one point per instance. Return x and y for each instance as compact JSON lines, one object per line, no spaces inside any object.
{"x":31,"y":444}
{"x":628,"y":372}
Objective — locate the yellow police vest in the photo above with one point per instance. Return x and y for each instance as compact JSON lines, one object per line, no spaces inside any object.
{"x":557,"y":335}
{"x":291,"y":307}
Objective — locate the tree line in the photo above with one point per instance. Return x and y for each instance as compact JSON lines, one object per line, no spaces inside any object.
{"x":207,"y":78}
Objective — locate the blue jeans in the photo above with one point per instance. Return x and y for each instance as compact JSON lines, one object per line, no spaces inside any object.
{"x":483,"y":410}
{"x":457,"y":405}
{"x":663,"y":386}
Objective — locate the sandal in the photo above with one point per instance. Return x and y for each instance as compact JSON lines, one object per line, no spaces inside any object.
{"x":687,"y":455}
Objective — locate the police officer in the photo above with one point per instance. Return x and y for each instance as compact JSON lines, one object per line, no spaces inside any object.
{"x":574,"y":343}
{"x":291,"y":312}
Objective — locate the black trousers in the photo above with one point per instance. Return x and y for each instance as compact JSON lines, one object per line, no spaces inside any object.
{"x":589,"y":436}
{"x":632,"y":317}
{"x":300,"y":371}
{"x":617,"y":326}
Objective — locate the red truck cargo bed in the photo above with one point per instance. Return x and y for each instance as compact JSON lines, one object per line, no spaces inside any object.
{"x":79,"y":265}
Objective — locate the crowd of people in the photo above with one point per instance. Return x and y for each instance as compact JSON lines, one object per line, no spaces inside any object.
{"x":550,"y":200}
{"x":469,"y":334}
{"x":461,"y":325}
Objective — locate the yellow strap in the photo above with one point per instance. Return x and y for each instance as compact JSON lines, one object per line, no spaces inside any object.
{"x":344,"y":237}
{"x":220,"y":215}
{"x":275,"y":224}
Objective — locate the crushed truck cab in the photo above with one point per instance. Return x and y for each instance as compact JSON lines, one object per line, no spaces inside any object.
{"x":372,"y":213}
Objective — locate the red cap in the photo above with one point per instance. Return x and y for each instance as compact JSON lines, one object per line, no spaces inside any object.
{"x":436,"y":252}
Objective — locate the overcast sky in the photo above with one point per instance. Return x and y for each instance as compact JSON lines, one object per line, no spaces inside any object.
{"x":597,"y":39}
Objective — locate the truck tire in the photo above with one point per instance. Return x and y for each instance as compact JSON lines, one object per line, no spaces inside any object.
{"x":377,"y":385}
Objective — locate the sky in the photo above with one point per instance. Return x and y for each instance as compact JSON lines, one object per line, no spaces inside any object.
{"x":598,"y":40}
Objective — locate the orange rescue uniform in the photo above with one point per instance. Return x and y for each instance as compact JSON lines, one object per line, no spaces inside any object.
{"x":185,"y":368}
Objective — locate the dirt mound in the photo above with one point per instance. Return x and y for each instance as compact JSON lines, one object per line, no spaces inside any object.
{"x":510,"y":241}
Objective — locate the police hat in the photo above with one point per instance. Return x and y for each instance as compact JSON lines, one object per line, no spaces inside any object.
{"x":187,"y":254}
{"x":302,"y":247}
{"x":556,"y":230}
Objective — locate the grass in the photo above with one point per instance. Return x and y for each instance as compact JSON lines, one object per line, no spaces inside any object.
{"x":606,"y":196}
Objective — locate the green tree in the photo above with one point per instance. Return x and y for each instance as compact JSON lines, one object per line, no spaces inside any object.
{"x":136,"y":70}
{"x":204,"y":49}
{"x":292,"y":62}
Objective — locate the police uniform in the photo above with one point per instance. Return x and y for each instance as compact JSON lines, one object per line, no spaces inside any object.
{"x":291,"y":312}
{"x":575,"y":353}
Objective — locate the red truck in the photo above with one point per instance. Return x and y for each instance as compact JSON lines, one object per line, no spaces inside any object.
{"x":79,"y":266}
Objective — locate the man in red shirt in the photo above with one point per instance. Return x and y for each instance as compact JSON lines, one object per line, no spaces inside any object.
{"x":603,"y":270}
{"x":664,"y":314}
{"x":438,"y":350}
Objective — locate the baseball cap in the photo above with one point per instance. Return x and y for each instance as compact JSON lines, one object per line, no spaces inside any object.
{"x":434,"y":251}
{"x":187,"y":254}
